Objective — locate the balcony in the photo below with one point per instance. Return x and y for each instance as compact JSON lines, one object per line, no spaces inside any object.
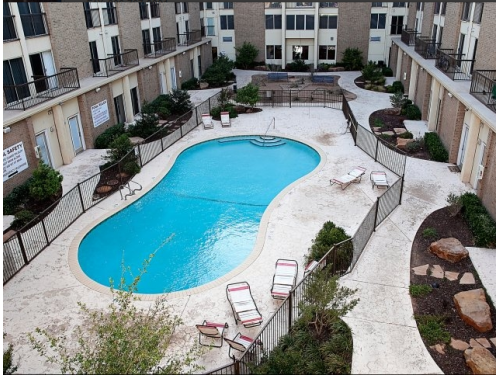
{"x":34,"y":24}
{"x":453,"y":65}
{"x":9,"y":30}
{"x":483,"y":87}
{"x":115,"y":63}
{"x":272,"y":5}
{"x":426,"y":47}
{"x":328,"y":5}
{"x":189,"y":38}
{"x":92,"y":18}
{"x":408,"y":37}
{"x":29,"y":94}
{"x":299,"y":5}
{"x":160,"y":48}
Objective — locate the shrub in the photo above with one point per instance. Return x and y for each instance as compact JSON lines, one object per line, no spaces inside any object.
{"x":398,"y":86}
{"x":120,"y":147}
{"x":387,"y":72}
{"x":371,"y":72}
{"x":323,"y":67}
{"x":17,"y":198}
{"x":435,"y":147}
{"x":406,"y":135}
{"x":215,"y":111}
{"x":180,"y":102}
{"x":432,"y":329}
{"x":146,"y":126}
{"x":390,"y":89}
{"x":420,"y":290}
{"x":413,"y":112}
{"x":219,"y":72}
{"x":397,"y":100}
{"x":104,"y":140}
{"x":328,"y":236}
{"x":416,"y":145}
{"x":22,"y":218}
{"x":246,"y":55}
{"x":352,"y":59}
{"x":430,"y":233}
{"x":190,"y":84}
{"x":45,"y":183}
{"x":248,"y":95}
{"x":8,"y":360}
{"x":378,"y":123}
{"x":297,"y":66}
{"x":478,"y":219}
{"x":131,"y":168}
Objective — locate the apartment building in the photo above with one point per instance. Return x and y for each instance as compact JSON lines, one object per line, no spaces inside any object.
{"x":446,"y":60}
{"x":72,"y":70}
{"x":316,"y":32}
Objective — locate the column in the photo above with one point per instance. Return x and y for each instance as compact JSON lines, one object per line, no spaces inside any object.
{"x":398,"y":63}
{"x":413,"y":80}
{"x":129,"y":112}
{"x":470,"y":148}
{"x":63,"y":135}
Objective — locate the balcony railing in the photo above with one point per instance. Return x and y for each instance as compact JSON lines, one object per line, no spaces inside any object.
{"x":426,"y":47}
{"x":92,"y":18}
{"x":189,"y":38}
{"x":34,"y":24}
{"x":453,"y":64}
{"x":116,"y":63}
{"x":9,"y":30}
{"x":483,"y":87}
{"x":408,"y":37}
{"x":299,"y":4}
{"x":29,"y":94}
{"x":328,"y":5}
{"x":160,"y":48}
{"x":272,"y":5}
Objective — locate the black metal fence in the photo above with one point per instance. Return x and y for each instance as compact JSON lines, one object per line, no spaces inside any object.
{"x":454,"y":65}
{"x":116,"y":63}
{"x":483,"y":87}
{"x":408,"y":37}
{"x":300,"y":98}
{"x":189,"y":38}
{"x":342,"y":257}
{"x":29,"y":241}
{"x":426,"y":47}
{"x":160,"y":48}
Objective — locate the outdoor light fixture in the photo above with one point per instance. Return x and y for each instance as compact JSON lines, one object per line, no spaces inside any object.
{"x":6,"y":130}
{"x":450,"y":95}
{"x":98,"y":89}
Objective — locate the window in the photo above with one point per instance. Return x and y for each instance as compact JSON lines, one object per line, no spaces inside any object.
{"x":300,"y":52}
{"x":143,"y":10}
{"x":274,"y":5}
{"x":210,"y":26}
{"x":478,"y":13}
{"x":157,"y":38}
{"x":377,"y":5}
{"x":227,"y":5}
{"x":299,"y":22}
{"x":466,"y":11}
{"x":443,"y":8}
{"x":9,"y":31}
{"x":328,"y":22}
{"x":227,"y":39}
{"x":327,"y":52}
{"x":290,"y":22}
{"x":155,"y":10}
{"x":273,"y":52}
{"x":32,"y":19}
{"x":309,"y":22}
{"x":399,"y":5}
{"x":436,"y":8}
{"x":146,"y":42}
{"x":115,"y":44}
{"x":461,"y":41}
{"x":96,"y":68}
{"x":109,"y":14}
{"x":227,"y":22}
{"x":328,"y":5}
{"x":273,"y":21}
{"x":378,"y":21}
{"x":209,"y":6}
{"x":92,"y":18}
{"x":419,"y":5}
{"x":135,"y":101}
{"x":181,"y":8}
{"x":397,"y":25}
{"x":14,"y":74}
{"x":375,"y":39}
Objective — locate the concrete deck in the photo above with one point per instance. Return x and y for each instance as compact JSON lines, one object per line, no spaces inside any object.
{"x":45,"y":293}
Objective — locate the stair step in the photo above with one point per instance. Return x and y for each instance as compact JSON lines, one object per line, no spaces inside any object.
{"x":267,"y":144}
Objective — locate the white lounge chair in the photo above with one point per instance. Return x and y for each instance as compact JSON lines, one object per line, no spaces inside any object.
{"x":353,"y":176}
{"x":284,"y":278}
{"x":313,"y":265}
{"x":212,"y":331}
{"x":243,"y":305}
{"x":207,"y":121}
{"x":240,"y":343}
{"x":379,"y":179}
{"x":225,"y":119}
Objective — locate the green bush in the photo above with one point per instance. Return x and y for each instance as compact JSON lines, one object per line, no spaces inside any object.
{"x":397,"y":100}
{"x":406,"y":135}
{"x":420,"y":290}
{"x":248,"y":94}
{"x":246,"y":55}
{"x":120,"y":147}
{"x":328,"y":236}
{"x":8,"y":360}
{"x":390,"y":89}
{"x":297,"y":66}
{"x":371,"y":72}
{"x":435,"y":147}
{"x":146,"y":126}
{"x":482,"y":226}
{"x":387,"y":72}
{"x":432,"y":329}
{"x":398,"y":86}
{"x":45,"y":183}
{"x":412,"y":112}
{"x":180,"y":102}
{"x":190,"y":84}
{"x":219,"y":72}
{"x":131,"y":168}
{"x":215,"y":111}
{"x":22,"y":218}
{"x":352,"y":59}
{"x":104,"y":140}
{"x":430,"y":233}
{"x":17,"y":198}
{"x":378,"y":123}
{"x":416,"y":145}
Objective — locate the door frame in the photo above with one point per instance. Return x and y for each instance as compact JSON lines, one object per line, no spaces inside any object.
{"x":47,"y":144}
{"x":462,"y":145}
{"x":80,"y":130}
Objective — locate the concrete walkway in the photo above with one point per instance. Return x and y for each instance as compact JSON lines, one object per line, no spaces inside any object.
{"x":45,"y":293}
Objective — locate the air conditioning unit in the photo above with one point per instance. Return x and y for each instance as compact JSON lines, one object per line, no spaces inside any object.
{"x":480,"y":172}
{"x":37,"y":152}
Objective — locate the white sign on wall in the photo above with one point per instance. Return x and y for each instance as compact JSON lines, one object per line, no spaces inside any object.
{"x":14,"y":160}
{"x":100,"y":113}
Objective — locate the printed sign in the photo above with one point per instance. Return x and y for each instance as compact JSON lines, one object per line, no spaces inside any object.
{"x":100,"y":113}
{"x":14,"y":160}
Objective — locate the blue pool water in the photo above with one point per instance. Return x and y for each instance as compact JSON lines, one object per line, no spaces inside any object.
{"x":201,"y":219}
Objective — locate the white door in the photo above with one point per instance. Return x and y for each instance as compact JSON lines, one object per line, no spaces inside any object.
{"x":43,"y":149}
{"x":480,"y":161}
{"x":76,"y":135}
{"x":50,"y":70}
{"x":163,"y":83}
{"x":463,"y":143}
{"x":174,"y":78}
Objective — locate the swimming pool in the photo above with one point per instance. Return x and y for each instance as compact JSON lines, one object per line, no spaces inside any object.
{"x":201,"y":219}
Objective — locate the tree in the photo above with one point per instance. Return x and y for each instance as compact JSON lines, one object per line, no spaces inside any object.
{"x":219,"y":72}
{"x":45,"y":183}
{"x":120,"y":340}
{"x":398,"y":100}
{"x":248,"y":95}
{"x":120,"y":147}
{"x":246,"y":55}
{"x":352,"y":59}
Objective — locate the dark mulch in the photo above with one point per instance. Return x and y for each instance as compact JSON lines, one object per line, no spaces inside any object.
{"x":440,"y":300}
{"x":390,"y":121}
{"x":360,"y":82}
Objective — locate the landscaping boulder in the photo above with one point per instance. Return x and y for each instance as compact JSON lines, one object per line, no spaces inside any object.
{"x":449,"y":249}
{"x":402,"y":142}
{"x":203,"y":85}
{"x":473,"y":309}
{"x":336,"y":69}
{"x":480,"y":360}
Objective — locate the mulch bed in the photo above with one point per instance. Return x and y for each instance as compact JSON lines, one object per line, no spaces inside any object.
{"x":440,"y":300}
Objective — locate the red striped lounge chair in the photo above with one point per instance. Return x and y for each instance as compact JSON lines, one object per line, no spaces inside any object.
{"x":213,"y":331}
{"x":240,"y":343}
{"x":285,"y":276}
{"x":347,"y":179}
{"x":243,"y":305}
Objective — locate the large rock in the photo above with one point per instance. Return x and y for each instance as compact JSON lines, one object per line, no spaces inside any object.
{"x":473,"y":309}
{"x":449,"y":249}
{"x":402,"y":142}
{"x":480,"y":360}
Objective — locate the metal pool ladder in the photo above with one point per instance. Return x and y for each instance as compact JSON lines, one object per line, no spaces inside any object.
{"x":131,"y":190}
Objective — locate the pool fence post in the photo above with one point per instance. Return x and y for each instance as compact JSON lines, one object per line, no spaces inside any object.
{"x":401,"y":191}
{"x":291,"y":296}
{"x":376,"y":149}
{"x":81,"y":198}
{"x":376,"y":214}
{"x":324,"y":98}
{"x":45,"y":232}
{"x":236,"y":365}
{"x":23,"y":250}
{"x":196,"y":115}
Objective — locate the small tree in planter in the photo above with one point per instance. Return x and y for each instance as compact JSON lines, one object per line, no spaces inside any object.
{"x":45,"y":183}
{"x":246,"y":55}
{"x":352,"y":59}
{"x":397,"y":101}
{"x":120,"y":147}
{"x":248,"y":95}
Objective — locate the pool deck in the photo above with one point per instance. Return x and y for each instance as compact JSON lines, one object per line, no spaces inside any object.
{"x":45,"y":293}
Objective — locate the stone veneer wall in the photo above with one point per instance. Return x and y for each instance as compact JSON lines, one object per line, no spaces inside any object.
{"x":451,"y":29}
{"x":487,"y":186}
{"x":450,"y":125}
{"x":148,"y":82}
{"x":422,"y":92}
{"x":167,"y":16}
{"x":247,"y":18}
{"x":412,"y":15}
{"x":182,"y":64}
{"x":129,"y":24}
{"x":353,"y":34}
{"x":486,"y":45}
{"x":427,"y":18}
